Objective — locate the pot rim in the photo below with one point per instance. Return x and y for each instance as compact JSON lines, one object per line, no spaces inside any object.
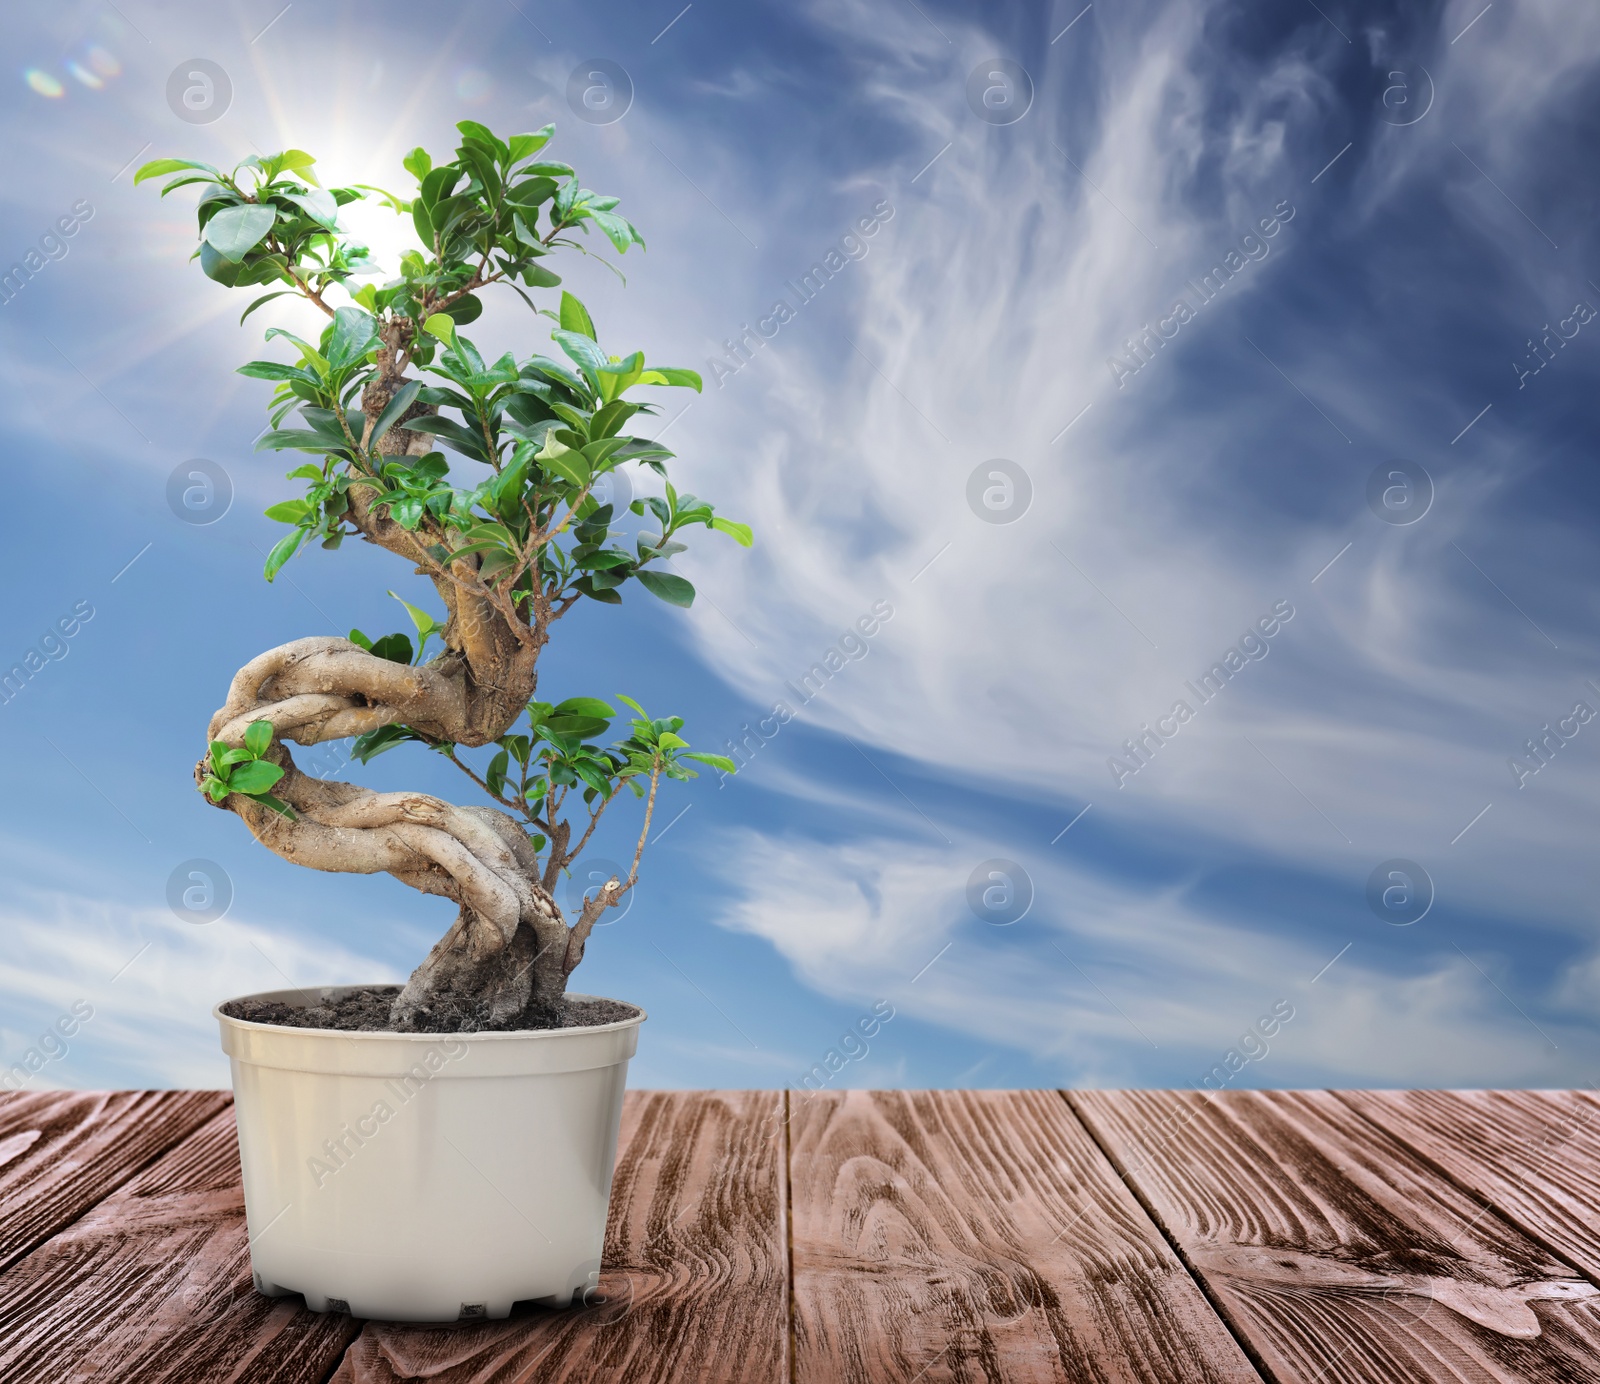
{"x":483,"y":1035}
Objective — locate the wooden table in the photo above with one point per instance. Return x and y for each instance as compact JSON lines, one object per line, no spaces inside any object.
{"x":878,"y":1236}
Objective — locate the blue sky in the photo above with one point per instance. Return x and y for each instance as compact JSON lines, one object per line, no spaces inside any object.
{"x":1427,"y":174}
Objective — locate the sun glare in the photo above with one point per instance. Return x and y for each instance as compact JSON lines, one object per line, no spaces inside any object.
{"x":42,"y":82}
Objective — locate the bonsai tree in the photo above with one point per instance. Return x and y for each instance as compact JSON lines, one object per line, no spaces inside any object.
{"x":508,"y":528}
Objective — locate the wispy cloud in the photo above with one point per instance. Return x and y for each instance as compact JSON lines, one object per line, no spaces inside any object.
{"x":1101,"y":972}
{"x":151,"y":980}
{"x":1198,"y":495}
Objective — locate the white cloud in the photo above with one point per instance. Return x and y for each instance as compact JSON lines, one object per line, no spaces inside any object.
{"x":1026,"y":653}
{"x":1121,"y":971}
{"x":151,"y":980}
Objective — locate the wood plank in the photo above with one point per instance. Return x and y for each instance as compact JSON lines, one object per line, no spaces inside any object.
{"x":1534,"y":1154}
{"x":153,"y":1286}
{"x":695,"y":1280}
{"x":963,"y":1235}
{"x":1337,"y":1253}
{"x":62,"y":1151}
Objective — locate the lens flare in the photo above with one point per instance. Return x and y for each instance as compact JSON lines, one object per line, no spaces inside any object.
{"x":42,"y":82}
{"x":85,"y":76}
{"x":103,"y":62}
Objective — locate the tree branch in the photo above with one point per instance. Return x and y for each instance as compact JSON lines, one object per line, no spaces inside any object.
{"x":450,"y":754}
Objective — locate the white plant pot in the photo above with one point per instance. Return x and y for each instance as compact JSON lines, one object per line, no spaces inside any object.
{"x":426,"y":1177}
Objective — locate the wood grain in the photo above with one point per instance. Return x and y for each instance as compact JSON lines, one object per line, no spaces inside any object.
{"x":1346,"y":1237}
{"x":1336,"y":1253}
{"x":695,"y":1279}
{"x":965,"y":1235}
{"x":153,"y":1285}
{"x":62,"y":1151}
{"x":1534,"y":1154}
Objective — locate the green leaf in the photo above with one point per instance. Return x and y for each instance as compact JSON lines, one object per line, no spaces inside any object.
{"x":605,"y":560}
{"x":267,"y":800}
{"x":608,"y":420}
{"x":619,"y":232}
{"x":424,"y":622}
{"x":188,"y":180}
{"x":601,"y":581}
{"x":418,"y":163}
{"x":495,"y":561}
{"x":564,"y":461}
{"x":739,"y":533}
{"x":551,"y":169}
{"x":361,"y":640}
{"x":621,"y":375}
{"x":465,"y":310}
{"x":332,"y":423}
{"x":525,"y":146}
{"x":651,"y":546}
{"x":308,"y":352}
{"x":443,"y":326}
{"x":297,"y":440}
{"x":355,"y":333}
{"x":255,"y":777}
{"x":591,"y":775}
{"x":554,"y":370}
{"x":394,"y":647}
{"x":673,"y":590}
{"x":318,"y":204}
{"x":402,"y":400}
{"x":531,"y":193}
{"x":584,"y":354}
{"x":433,"y":465}
{"x":468,"y":443}
{"x":220,"y":269}
{"x":374,"y":742}
{"x":297,"y":161}
{"x":537,"y":276}
{"x":575,"y":317}
{"x":439,"y":183}
{"x":576,"y":727}
{"x":276,"y":370}
{"x":156,"y":167}
{"x":284,"y":549}
{"x":520,"y":229}
{"x":496,"y":775}
{"x":264,"y":298}
{"x":289,"y":512}
{"x":716,"y":761}
{"x":422,"y":221}
{"x":258,"y":738}
{"x":584,"y":706}
{"x":234,"y":231}
{"x":471,"y":129}
{"x":671,"y":375}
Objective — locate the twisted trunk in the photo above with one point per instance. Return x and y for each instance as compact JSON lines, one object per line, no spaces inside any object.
{"x":504,"y":962}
